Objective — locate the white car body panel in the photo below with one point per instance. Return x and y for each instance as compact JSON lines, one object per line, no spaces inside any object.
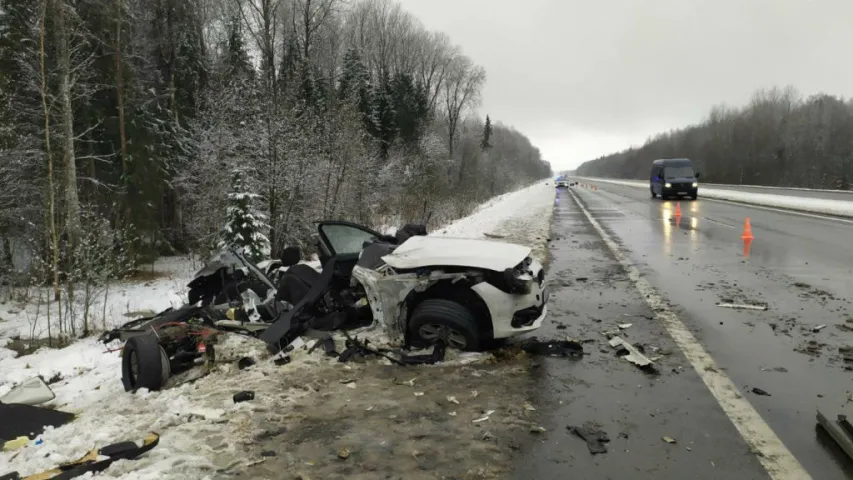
{"x":428,"y":251}
{"x":387,"y":293}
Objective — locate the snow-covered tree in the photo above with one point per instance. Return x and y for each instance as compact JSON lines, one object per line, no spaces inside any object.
{"x":244,"y":223}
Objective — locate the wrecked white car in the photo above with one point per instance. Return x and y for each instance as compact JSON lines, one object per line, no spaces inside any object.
{"x":421,"y":289}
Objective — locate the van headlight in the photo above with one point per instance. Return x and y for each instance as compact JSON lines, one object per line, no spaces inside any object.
{"x":695,"y":184}
{"x":667,"y":185}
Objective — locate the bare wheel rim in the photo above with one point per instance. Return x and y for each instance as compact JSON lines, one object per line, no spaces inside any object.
{"x":434,"y":332}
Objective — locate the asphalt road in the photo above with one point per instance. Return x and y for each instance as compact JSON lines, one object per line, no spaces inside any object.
{"x":799,"y":265}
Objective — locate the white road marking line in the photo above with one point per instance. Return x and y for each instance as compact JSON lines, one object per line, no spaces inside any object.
{"x":719,"y":222}
{"x":781,"y":210}
{"x":774,"y":456}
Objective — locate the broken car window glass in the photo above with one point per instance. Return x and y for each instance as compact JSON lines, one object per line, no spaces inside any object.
{"x":345,"y":238}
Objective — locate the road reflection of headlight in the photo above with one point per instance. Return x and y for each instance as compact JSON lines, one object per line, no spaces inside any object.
{"x":694,"y":222}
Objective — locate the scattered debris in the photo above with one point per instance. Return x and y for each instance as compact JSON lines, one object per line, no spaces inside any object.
{"x":633,"y":355}
{"x":343,"y":453}
{"x":669,"y":440}
{"x":624,"y":326}
{"x":244,"y":396}
{"x":410,"y":383}
{"x":840,"y":430}
{"x":493,"y":235}
{"x":20,"y":419}
{"x":474,"y":393}
{"x":740,"y":306}
{"x":268,"y":453}
{"x":96,"y":460}
{"x":582,"y":279}
{"x":593,"y":435}
{"x":33,"y":391}
{"x":452,"y":399}
{"x":537,"y":429}
{"x":419,"y":394}
{"x":554,"y":348}
{"x":245,"y":362}
{"x":282,"y":360}
{"x":819,"y":328}
{"x":484,"y":417}
{"x":529,"y":407}
{"x":759,"y":391}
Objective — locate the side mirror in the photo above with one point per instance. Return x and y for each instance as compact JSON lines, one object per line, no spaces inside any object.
{"x":290,"y":256}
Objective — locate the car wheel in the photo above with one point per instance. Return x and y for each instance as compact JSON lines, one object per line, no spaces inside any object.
{"x":654,"y":195}
{"x":438,"y":319}
{"x":144,"y":364}
{"x":694,"y":197}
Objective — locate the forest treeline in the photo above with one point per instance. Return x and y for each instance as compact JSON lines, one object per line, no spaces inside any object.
{"x":778,"y":139}
{"x":124,"y":124}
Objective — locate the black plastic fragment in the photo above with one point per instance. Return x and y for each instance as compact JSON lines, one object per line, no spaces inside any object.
{"x":244,"y":396}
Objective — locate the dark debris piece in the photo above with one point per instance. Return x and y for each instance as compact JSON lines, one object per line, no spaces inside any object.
{"x":245,"y":363}
{"x":593,"y":435}
{"x":554,"y":348}
{"x":759,"y":391}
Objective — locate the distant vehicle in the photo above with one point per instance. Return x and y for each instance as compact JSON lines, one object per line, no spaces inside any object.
{"x":674,"y":177}
{"x":562,"y":184}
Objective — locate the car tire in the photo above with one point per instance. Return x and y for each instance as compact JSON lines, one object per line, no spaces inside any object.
{"x":439,"y":319}
{"x":654,"y":195}
{"x":152,"y":364}
{"x":694,"y":196}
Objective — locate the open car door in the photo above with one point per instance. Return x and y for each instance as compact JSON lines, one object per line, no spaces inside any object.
{"x":343,"y":240}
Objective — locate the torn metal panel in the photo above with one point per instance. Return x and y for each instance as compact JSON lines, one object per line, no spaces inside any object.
{"x":634,"y":356}
{"x":387,"y":292}
{"x":840,"y":430}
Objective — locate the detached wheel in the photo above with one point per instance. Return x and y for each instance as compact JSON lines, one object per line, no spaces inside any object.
{"x":438,"y":319}
{"x":144,"y":364}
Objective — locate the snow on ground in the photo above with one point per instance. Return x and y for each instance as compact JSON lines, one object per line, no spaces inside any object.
{"x":203,"y":433}
{"x":522,"y":216}
{"x":125,"y":301}
{"x":841,"y":208}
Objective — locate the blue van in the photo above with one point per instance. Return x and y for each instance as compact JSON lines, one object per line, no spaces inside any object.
{"x":674,"y":177}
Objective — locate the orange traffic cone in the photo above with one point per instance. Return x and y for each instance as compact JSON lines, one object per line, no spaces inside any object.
{"x":747,"y":230}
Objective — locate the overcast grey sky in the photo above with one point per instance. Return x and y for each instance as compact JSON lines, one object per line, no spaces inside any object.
{"x":584,"y":78}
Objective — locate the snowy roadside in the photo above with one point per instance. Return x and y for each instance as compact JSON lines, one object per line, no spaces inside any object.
{"x":204,"y":434}
{"x":840,"y":208}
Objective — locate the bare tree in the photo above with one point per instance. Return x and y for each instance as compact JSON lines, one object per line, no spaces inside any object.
{"x":461,"y":91}
{"x":72,"y":202}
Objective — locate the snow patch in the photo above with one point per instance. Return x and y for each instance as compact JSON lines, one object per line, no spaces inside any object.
{"x":840,"y":208}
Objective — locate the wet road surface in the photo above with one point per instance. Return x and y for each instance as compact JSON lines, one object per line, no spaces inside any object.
{"x":801,"y":267}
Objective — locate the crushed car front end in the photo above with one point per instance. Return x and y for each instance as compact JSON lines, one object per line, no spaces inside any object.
{"x":516,"y":298}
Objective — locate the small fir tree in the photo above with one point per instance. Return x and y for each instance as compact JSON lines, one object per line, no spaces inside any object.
{"x":244,"y":224}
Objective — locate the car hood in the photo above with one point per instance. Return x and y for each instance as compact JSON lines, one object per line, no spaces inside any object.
{"x":428,"y":251}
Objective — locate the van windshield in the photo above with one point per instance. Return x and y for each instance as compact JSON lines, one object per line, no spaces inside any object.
{"x":678,"y":172}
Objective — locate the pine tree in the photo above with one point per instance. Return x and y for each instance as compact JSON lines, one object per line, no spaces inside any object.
{"x":244,"y":224}
{"x":485,"y":144}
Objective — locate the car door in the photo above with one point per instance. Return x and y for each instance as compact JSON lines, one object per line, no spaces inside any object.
{"x":344,"y":240}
